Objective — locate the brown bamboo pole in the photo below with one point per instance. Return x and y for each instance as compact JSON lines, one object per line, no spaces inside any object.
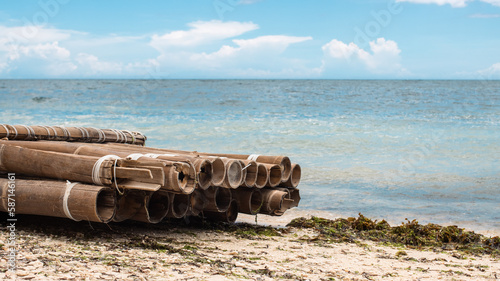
{"x":53,"y":198}
{"x":294,"y":179}
{"x":228,"y":216}
{"x":198,"y":202}
{"x":179,"y":176}
{"x":250,"y":173}
{"x":155,"y":208}
{"x":59,"y":133}
{"x":216,"y":173}
{"x":234,"y":175}
{"x":283,"y":161}
{"x":217,"y":199}
{"x":272,"y":201}
{"x":275,"y":173}
{"x":99,"y":171}
{"x":179,"y":205}
{"x":262,"y":175}
{"x":249,"y":200}
{"x":204,"y":169}
{"x":129,"y":204}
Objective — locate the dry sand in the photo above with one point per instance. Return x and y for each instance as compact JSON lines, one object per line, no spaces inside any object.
{"x":59,"y":249}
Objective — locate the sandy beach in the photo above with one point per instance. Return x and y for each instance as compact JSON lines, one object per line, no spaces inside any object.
{"x":59,"y":249}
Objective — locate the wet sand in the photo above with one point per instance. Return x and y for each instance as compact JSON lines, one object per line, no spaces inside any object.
{"x":59,"y":249}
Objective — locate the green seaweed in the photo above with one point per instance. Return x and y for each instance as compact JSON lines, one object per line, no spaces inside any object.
{"x":409,"y":233}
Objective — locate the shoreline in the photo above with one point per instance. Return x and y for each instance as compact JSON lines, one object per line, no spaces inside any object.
{"x":297,"y":212}
{"x":53,"y":248}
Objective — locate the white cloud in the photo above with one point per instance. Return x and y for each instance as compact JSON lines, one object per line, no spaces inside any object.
{"x":201,"y":32}
{"x":492,"y":72}
{"x":92,"y":63}
{"x":453,"y":3}
{"x":274,"y":44}
{"x":384,"y":57}
{"x":32,"y":35}
{"x":492,"y":2}
{"x":49,"y":51}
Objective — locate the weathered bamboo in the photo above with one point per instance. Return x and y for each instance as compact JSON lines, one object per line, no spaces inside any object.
{"x":179,"y":176}
{"x":295,"y":196}
{"x":283,"y":161}
{"x":155,"y":208}
{"x":203,"y":167}
{"x":234,"y":175}
{"x":249,"y":200}
{"x":294,"y":179}
{"x":262,"y":175}
{"x":169,"y":175}
{"x":228,"y":216}
{"x":129,"y":204}
{"x":275,"y":173}
{"x":179,"y":205}
{"x":272,"y":201}
{"x":59,"y":133}
{"x":250,"y":173}
{"x":217,"y":173}
{"x":198,"y":202}
{"x":59,"y":199}
{"x":217,"y":199}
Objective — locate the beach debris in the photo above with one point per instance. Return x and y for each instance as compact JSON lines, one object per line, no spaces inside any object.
{"x":104,"y":175}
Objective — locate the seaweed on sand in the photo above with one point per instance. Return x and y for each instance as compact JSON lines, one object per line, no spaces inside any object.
{"x":409,"y":233}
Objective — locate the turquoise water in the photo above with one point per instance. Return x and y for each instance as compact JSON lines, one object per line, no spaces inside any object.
{"x":388,"y":149}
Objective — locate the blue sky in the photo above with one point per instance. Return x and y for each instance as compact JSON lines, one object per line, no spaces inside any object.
{"x":335,"y":39}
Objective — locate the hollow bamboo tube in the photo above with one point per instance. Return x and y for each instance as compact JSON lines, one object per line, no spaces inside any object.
{"x":211,"y":170}
{"x":250,"y":170}
{"x":249,"y":200}
{"x":59,"y":199}
{"x":155,"y":208}
{"x":295,"y":196}
{"x":179,"y":205}
{"x":198,"y":202}
{"x":289,"y":200}
{"x":294,"y":179}
{"x":272,"y":201}
{"x":218,"y":171}
{"x":275,"y":173}
{"x":228,"y":216}
{"x":58,"y":133}
{"x":203,"y":168}
{"x":87,"y":169}
{"x":52,"y":164}
{"x":217,"y":199}
{"x":234,"y":175}
{"x":262,"y":175}
{"x":179,"y":176}
{"x":129,"y":204}
{"x":283,"y":161}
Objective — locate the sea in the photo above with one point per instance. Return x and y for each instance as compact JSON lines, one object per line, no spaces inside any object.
{"x":389,"y":149}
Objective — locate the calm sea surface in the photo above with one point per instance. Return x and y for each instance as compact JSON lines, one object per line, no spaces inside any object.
{"x":428,"y":150}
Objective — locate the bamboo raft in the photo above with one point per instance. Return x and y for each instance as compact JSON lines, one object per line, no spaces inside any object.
{"x":105,"y":175}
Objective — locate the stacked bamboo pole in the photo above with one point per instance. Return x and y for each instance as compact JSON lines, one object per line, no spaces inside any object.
{"x":97,"y":177}
{"x":60,"y":133}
